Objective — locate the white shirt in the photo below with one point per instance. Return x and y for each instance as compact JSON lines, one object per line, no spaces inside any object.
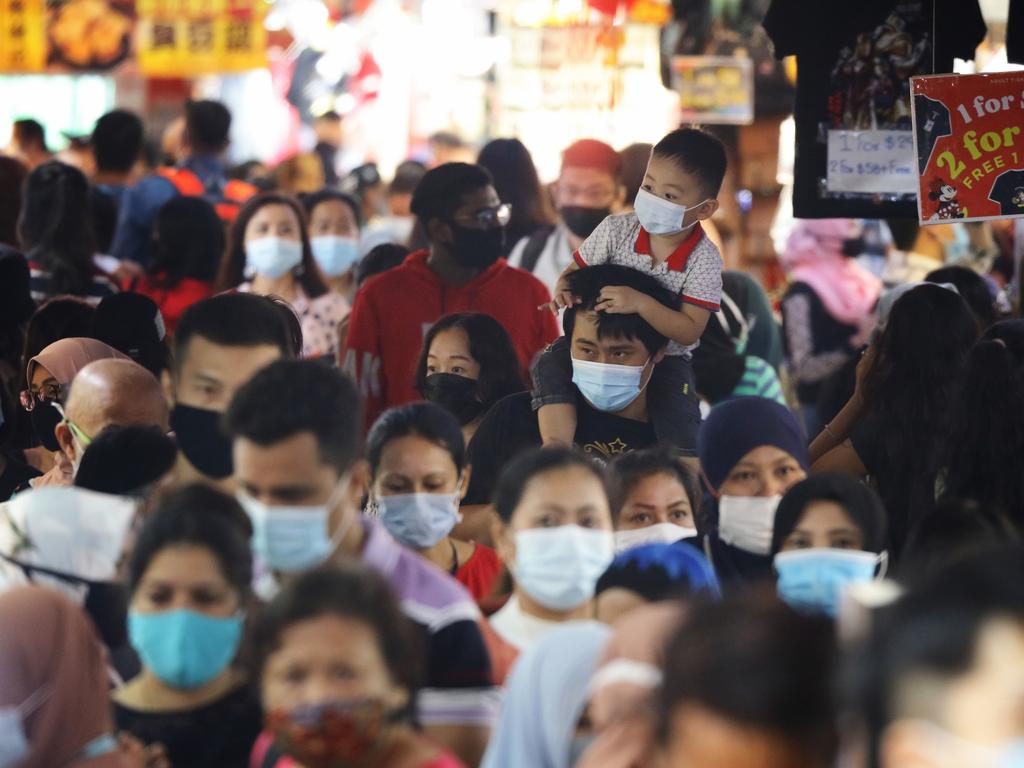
{"x":518,"y":628}
{"x":556,"y":256}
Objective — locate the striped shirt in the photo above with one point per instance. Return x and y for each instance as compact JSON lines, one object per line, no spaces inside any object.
{"x":459,"y":689}
{"x":41,"y":279}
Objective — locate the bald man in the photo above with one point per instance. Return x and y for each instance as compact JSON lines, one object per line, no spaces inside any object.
{"x":104,"y":393}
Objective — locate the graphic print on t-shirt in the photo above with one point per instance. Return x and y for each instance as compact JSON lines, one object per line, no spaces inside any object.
{"x":871,"y":77}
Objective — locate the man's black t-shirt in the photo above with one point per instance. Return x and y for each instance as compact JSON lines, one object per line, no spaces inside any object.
{"x":510,"y":428}
{"x":855,"y":61}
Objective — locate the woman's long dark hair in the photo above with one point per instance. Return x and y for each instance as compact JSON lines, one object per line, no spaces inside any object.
{"x":190,"y":242}
{"x":55,"y":227}
{"x":909,"y":392}
{"x":490,"y":345}
{"x":517,"y":183}
{"x":982,"y":456}
{"x":232,"y":268}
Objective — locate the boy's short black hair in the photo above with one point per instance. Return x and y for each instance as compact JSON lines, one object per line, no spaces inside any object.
{"x":290,"y":397}
{"x":117,"y":141}
{"x":29,"y":131}
{"x":587,"y":283}
{"x":697,"y":152}
{"x":441,"y":191}
{"x":208,"y":124}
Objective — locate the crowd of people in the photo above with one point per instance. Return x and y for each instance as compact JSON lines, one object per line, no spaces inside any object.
{"x":467,"y":470}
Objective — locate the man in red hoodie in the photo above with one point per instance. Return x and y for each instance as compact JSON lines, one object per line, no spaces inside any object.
{"x":462,"y":271}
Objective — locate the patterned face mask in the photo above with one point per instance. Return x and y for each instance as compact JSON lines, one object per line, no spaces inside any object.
{"x":335,"y":734}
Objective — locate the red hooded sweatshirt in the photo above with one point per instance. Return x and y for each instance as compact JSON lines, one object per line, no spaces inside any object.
{"x":394,"y":310}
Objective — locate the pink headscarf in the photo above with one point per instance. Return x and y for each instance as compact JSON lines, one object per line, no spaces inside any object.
{"x":66,"y":357}
{"x":814,"y":256}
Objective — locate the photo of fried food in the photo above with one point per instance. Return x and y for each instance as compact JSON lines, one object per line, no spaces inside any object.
{"x":89,"y":34}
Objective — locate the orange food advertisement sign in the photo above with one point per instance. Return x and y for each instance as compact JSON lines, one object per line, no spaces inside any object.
{"x":969,"y":142}
{"x":165,"y":38}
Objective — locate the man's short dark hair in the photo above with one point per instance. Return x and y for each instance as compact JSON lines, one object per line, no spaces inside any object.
{"x":117,"y":141}
{"x":289,"y":397}
{"x":697,"y":152}
{"x":587,"y":283}
{"x":208,"y":124}
{"x":591,"y":153}
{"x":29,"y":131}
{"x":408,"y":176}
{"x":233,"y":320}
{"x":440,"y":191}
{"x":754,"y":661}
{"x":932,"y":632}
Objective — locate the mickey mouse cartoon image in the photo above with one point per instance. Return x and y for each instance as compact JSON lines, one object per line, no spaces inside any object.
{"x":945,"y":193}
{"x":1018,"y":197}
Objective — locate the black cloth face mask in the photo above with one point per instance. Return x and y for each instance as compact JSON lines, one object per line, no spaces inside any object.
{"x":456,"y":394}
{"x":199,"y":437}
{"x":583,"y":221}
{"x":45,"y":418}
{"x":477,"y":248}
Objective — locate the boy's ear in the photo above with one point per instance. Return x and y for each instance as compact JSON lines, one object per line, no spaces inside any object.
{"x":708,"y":210}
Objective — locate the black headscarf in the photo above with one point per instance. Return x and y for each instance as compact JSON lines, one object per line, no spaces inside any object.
{"x":860,"y":502}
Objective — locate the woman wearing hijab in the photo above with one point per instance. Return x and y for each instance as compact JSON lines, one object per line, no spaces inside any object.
{"x":828,"y":307}
{"x":830,"y":532}
{"x":54,"y":697}
{"x":546,"y":696}
{"x":752,"y":451}
{"x":49,"y":375}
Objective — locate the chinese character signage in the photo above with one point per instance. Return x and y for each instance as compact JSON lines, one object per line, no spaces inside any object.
{"x":167,"y":38}
{"x":179,"y":38}
{"x":714,"y":89}
{"x":969,"y":142}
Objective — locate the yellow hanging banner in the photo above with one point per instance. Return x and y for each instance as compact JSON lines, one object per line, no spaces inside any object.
{"x":22,"y":36}
{"x":185,"y":38}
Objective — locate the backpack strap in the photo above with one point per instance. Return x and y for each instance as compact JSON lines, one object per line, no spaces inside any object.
{"x":535,"y":247}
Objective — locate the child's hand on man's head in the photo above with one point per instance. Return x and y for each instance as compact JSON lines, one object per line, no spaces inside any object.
{"x":562,"y":298}
{"x":620,"y":300}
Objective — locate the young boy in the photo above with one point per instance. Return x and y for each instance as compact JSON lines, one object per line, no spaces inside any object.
{"x":662,"y":238}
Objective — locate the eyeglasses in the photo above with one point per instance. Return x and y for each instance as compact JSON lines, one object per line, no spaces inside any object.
{"x":499,"y":216}
{"x":50,"y":393}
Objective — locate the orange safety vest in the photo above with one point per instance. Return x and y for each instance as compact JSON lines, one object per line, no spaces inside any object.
{"x":227,"y":199}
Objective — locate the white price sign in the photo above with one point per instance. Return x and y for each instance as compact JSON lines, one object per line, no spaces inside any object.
{"x":874,"y":162}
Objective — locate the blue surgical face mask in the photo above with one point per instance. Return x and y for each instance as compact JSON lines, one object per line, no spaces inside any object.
{"x":559,"y":567}
{"x":272,"y":257}
{"x":335,"y":255}
{"x":289,"y":539}
{"x":815,"y":579}
{"x":419,"y":520}
{"x":660,"y":216}
{"x":185,"y":649}
{"x":606,"y":386}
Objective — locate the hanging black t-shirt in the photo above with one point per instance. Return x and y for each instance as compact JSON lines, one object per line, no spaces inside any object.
{"x":1008,"y":191}
{"x":1015,"y":32}
{"x":510,"y":428}
{"x":855,"y":61}
{"x":933,"y":123}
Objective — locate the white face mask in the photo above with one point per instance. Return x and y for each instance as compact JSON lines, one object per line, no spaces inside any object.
{"x":747,"y":522}
{"x":272,"y":257}
{"x":660,"y":216}
{"x":661,"y":533}
{"x":14,"y":744}
{"x":559,"y":567}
